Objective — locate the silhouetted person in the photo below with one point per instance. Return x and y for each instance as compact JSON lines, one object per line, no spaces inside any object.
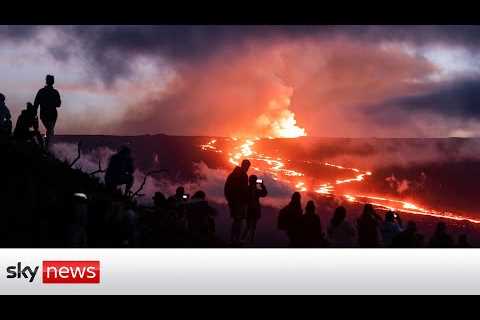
{"x":463,"y":241}
{"x":179,"y":199}
{"x":48,"y":99}
{"x":77,"y":220}
{"x":289,"y":219}
{"x":390,"y":228}
{"x":440,"y":238}
{"x":341,"y":233}
{"x":180,"y":195}
{"x":160,"y":205}
{"x":408,"y":238}
{"x":254,"y":210}
{"x":368,"y":228}
{"x":311,"y":229}
{"x":26,"y":128}
{"x":159,"y":201}
{"x":176,"y":213}
{"x":120,"y":170}
{"x":5,"y":118}
{"x":236,"y":192}
{"x":132,"y":225}
{"x":200,"y":217}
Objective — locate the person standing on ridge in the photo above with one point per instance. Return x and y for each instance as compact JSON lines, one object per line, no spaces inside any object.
{"x":27,"y":126}
{"x":256,"y":191}
{"x":236,"y":192}
{"x":48,"y":99}
{"x":5,"y":118}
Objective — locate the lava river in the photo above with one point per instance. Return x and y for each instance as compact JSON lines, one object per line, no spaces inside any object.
{"x":279,"y":169}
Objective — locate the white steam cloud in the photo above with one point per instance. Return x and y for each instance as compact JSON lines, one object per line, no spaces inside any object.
{"x":209,"y":180}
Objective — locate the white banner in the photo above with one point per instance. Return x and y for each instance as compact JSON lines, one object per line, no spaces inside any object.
{"x":239,"y":271}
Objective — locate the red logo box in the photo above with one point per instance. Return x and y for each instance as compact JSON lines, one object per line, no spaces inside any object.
{"x":71,"y":272}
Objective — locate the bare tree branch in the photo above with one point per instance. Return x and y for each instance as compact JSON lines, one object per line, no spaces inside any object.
{"x":100,"y":170}
{"x":137,"y":193}
{"x":79,"y":154}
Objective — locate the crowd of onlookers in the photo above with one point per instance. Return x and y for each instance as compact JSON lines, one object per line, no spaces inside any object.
{"x":179,"y":221}
{"x":370,"y":230}
{"x":27,"y":128}
{"x":47,"y":203}
{"x":304,"y":228}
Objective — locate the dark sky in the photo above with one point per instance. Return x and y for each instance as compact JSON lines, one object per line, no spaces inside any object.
{"x":251,"y":80}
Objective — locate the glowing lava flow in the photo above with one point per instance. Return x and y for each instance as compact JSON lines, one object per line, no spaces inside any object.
{"x":210,"y":146}
{"x":276,"y":168}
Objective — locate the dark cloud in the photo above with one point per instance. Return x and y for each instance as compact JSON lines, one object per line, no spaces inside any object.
{"x":110,"y":49}
{"x":458,"y":99}
{"x":465,"y":35}
{"x":18,"y":33}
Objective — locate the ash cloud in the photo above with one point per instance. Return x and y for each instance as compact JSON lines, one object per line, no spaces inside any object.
{"x":325,"y":83}
{"x":225,"y":73}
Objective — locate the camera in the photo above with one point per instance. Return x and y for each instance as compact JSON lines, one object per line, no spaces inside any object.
{"x":185,"y":196}
{"x":259,"y":181}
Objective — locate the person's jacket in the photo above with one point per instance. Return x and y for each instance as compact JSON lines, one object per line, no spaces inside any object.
{"x":26,"y":121}
{"x":120,"y":165}
{"x":4,"y":113}
{"x":311,"y":225}
{"x":368,"y":231}
{"x":199,"y":215}
{"x":407,"y":239}
{"x":236,"y":187}
{"x":341,"y":236}
{"x":389,"y":231}
{"x":289,"y":218}
{"x":254,"y":207}
{"x":48,"y":99}
{"x":441,"y":240}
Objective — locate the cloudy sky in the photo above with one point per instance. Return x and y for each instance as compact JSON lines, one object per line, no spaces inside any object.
{"x":343,"y":81}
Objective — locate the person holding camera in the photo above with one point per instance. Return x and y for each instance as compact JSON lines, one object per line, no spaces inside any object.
{"x":256,"y":190}
{"x":391,"y":227}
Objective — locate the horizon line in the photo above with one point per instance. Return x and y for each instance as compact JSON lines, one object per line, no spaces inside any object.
{"x":262,"y":138}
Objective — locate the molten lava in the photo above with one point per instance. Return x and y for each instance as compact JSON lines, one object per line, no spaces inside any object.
{"x":276,"y":167}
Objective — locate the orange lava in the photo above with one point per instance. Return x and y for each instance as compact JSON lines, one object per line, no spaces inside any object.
{"x":276,"y":167}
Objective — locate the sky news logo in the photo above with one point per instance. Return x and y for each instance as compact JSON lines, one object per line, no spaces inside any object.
{"x":58,"y":272}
